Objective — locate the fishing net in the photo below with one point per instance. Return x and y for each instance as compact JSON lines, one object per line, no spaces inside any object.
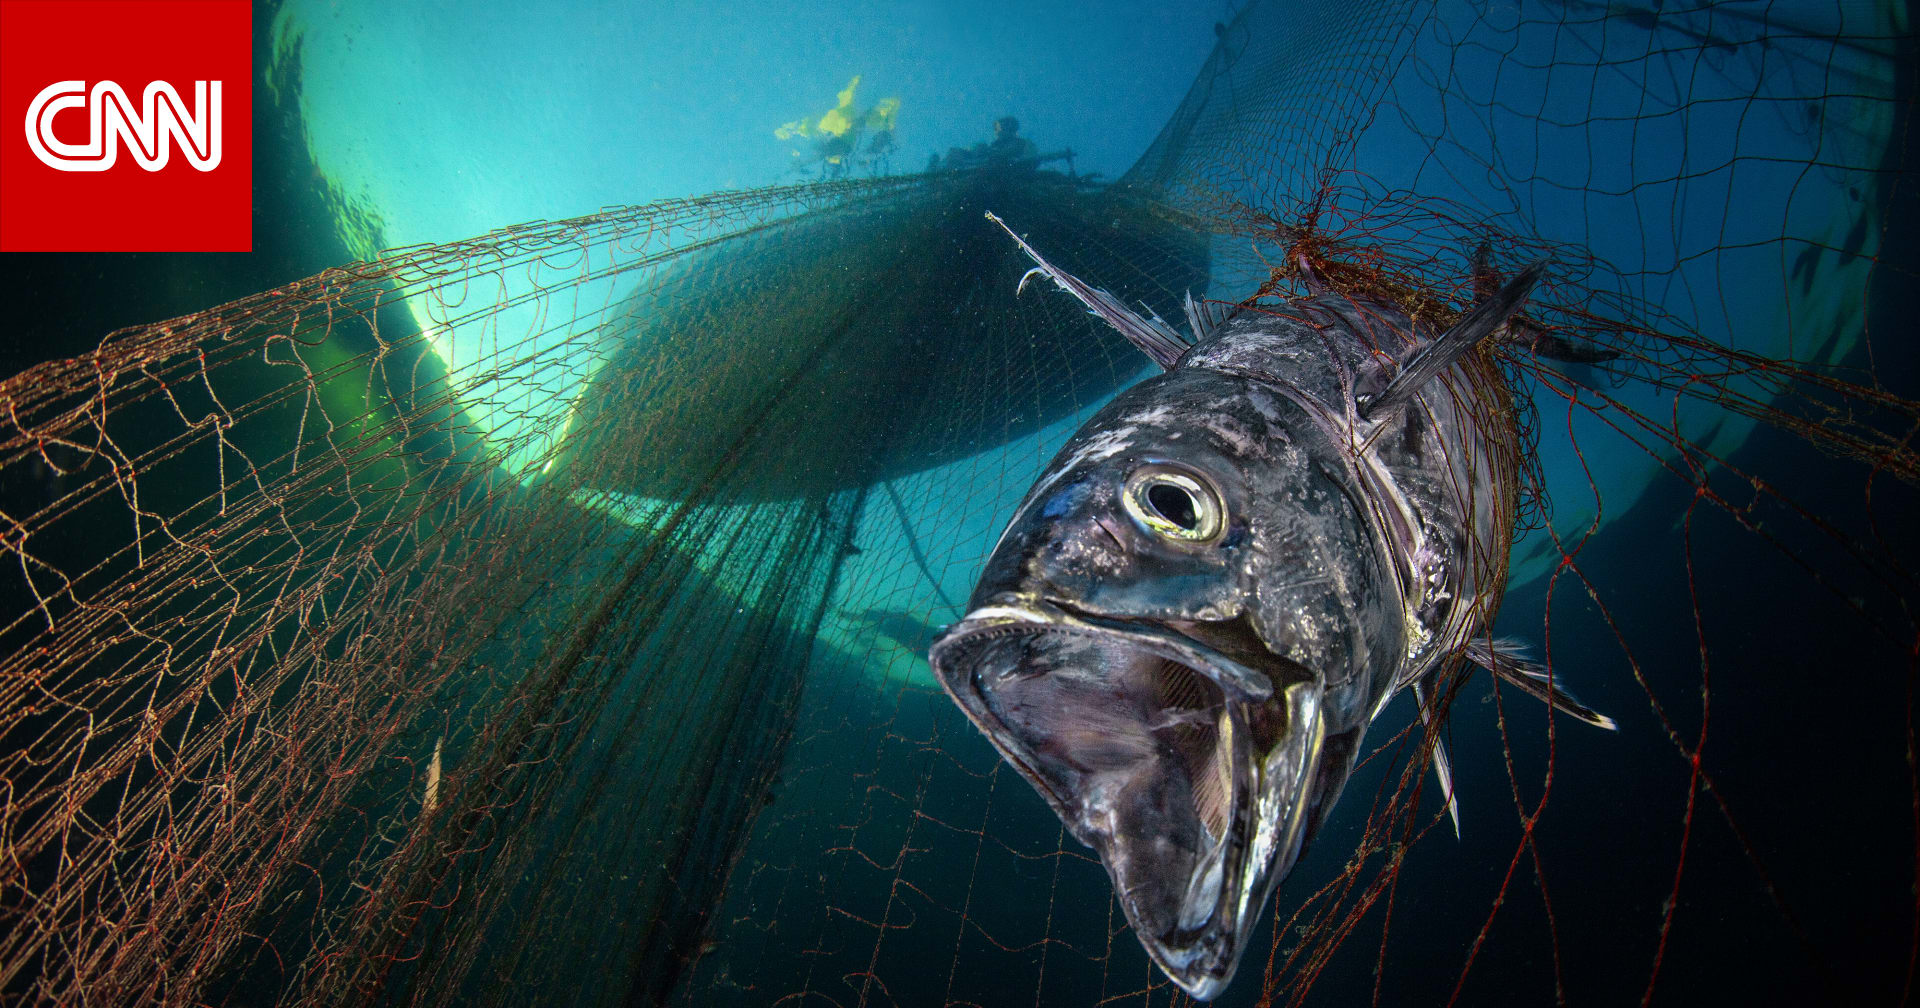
{"x":542,"y":617}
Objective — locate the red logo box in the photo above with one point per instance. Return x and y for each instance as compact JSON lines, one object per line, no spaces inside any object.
{"x":111,"y":137}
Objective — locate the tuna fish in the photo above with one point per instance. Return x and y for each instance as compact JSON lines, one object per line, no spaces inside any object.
{"x":1224,"y":576}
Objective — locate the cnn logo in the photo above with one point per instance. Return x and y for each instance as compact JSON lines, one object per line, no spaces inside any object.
{"x":149,"y":131}
{"x":126,"y":126}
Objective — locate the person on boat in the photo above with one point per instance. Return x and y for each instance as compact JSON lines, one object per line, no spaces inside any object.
{"x":1007,"y":149}
{"x":880,"y":153}
{"x":879,"y":122}
{"x":832,"y":141}
{"x":1008,"y":146}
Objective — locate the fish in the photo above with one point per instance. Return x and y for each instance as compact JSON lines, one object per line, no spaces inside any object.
{"x":1224,"y":576}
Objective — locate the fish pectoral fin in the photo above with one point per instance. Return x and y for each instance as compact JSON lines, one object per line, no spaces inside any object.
{"x":1445,"y":772}
{"x":1508,"y":660}
{"x":1152,"y":335}
{"x":1441,"y":768}
{"x":1483,"y":320}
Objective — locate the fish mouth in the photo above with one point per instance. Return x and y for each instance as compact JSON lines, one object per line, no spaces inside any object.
{"x":1181,"y":753}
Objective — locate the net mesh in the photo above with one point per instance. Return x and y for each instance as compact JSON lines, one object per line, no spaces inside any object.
{"x":543,"y":616}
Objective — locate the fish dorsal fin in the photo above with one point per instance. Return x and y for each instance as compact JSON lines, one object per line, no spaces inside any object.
{"x":1315,"y":283}
{"x":1204,"y":318}
{"x":1552,"y":346}
{"x":1486,"y":283}
{"x":1485,"y":319}
{"x":1509,"y":661}
{"x":1423,"y":688}
{"x":1152,"y":335}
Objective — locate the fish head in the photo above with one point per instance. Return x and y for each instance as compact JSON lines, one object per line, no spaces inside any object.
{"x":1127,"y":651}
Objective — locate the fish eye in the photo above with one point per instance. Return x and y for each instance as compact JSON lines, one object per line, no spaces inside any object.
{"x":1173,"y":504}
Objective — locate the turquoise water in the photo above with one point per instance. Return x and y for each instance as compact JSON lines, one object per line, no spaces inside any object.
{"x":448,"y":120}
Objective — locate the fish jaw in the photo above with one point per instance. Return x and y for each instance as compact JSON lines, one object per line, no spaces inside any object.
{"x":1154,"y":751}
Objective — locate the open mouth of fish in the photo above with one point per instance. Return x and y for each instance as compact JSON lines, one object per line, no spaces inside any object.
{"x":1185,"y":753}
